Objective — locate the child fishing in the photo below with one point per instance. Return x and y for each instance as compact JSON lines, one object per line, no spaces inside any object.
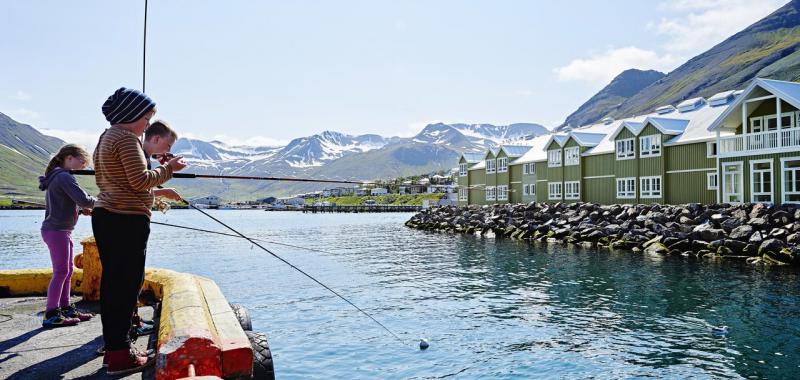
{"x":64,"y":200}
{"x":121,"y":220}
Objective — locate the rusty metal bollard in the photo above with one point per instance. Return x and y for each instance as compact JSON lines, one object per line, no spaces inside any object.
{"x":89,"y":261}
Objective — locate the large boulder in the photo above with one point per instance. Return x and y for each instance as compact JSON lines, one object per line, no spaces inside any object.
{"x":707,"y":232}
{"x":771,"y":246}
{"x":742,"y":233}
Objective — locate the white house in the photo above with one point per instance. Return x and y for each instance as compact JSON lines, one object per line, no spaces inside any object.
{"x":379,"y":191}
{"x":210,"y":200}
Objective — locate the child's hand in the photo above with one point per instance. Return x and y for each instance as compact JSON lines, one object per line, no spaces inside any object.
{"x":86,"y":211}
{"x":177,"y":163}
{"x":168,"y":193}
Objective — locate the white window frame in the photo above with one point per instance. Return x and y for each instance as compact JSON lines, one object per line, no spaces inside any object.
{"x":650,"y":146}
{"x":554,"y":191}
{"x":760,"y":173}
{"x":572,"y":190}
{"x":760,"y":120}
{"x":792,"y":121}
{"x":463,"y":194}
{"x":490,"y":166}
{"x":491,"y":193}
{"x":502,"y":192}
{"x":572,"y":156}
{"x":529,"y":168}
{"x":794,"y":175}
{"x":740,"y":193}
{"x":712,"y":181}
{"x":554,"y":158}
{"x":525,"y":189}
{"x":628,"y":188}
{"x":628,"y":151}
{"x":502,"y":164}
{"x":711,"y":148}
{"x":462,"y":170}
{"x":651,"y":187}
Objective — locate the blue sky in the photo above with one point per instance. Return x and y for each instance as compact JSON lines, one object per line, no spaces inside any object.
{"x":264,"y":72}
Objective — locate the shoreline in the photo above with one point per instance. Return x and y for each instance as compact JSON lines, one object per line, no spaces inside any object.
{"x":754,"y":233}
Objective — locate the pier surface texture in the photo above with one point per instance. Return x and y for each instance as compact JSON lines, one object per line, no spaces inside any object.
{"x":29,"y":351}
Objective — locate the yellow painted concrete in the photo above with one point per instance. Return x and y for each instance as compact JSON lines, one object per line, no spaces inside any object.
{"x":237,"y":354}
{"x":31,"y":282}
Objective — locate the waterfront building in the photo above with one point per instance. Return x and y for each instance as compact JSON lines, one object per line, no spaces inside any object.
{"x":735,"y":146}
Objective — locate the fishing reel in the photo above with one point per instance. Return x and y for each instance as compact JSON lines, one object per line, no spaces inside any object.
{"x":162,"y":205}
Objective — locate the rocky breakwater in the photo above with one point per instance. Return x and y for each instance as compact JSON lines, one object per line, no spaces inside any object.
{"x":756,"y":233}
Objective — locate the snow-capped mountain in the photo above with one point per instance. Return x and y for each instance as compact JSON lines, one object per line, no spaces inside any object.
{"x":341,"y":156}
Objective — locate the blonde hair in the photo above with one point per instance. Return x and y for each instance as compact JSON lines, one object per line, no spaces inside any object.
{"x":67,"y":150}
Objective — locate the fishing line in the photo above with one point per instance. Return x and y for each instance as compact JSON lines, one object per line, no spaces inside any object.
{"x":194,"y":176}
{"x":237,"y":236}
{"x":299,"y":270}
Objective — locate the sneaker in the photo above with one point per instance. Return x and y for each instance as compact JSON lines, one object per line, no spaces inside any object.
{"x":55,"y":318}
{"x":102,"y":350}
{"x":72,"y":312}
{"x":144,"y":329}
{"x":126,"y":361}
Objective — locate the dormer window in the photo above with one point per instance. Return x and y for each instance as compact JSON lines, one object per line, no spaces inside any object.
{"x":462,"y":170}
{"x":626,"y":149}
{"x":490,"y":166}
{"x":554,"y":158}
{"x":650,"y":146}
{"x":572,"y":156}
{"x":502,"y":165}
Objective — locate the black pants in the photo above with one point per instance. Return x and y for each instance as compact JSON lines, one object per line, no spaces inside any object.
{"x":122,"y":243}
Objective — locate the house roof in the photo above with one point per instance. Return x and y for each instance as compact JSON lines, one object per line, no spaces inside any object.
{"x":560,"y":139}
{"x":473,"y":158}
{"x":515,"y":150}
{"x":587,"y":139}
{"x":537,"y":150}
{"x":787,"y":91}
{"x":690,"y":104}
{"x":479,"y":165}
{"x":667,"y":126}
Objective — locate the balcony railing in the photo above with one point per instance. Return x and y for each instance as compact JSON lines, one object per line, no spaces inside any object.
{"x":762,"y":141}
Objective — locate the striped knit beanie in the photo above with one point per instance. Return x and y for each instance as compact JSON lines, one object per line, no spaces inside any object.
{"x":126,"y":105}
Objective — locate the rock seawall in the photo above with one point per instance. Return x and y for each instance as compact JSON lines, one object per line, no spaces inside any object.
{"x":756,"y":233}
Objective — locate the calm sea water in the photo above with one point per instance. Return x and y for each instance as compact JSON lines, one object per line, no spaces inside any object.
{"x":491,"y":309}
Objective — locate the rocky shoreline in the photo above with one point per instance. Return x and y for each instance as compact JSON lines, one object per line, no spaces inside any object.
{"x":755,"y":233}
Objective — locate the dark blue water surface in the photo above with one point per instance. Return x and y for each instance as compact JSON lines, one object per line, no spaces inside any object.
{"x":492,"y":309}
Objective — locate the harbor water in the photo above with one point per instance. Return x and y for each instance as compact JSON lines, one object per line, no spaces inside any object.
{"x":491,"y":309}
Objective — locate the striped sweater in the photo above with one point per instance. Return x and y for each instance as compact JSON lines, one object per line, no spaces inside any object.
{"x":126,"y":186}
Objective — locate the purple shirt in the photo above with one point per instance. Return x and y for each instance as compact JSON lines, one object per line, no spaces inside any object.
{"x":63,"y":196}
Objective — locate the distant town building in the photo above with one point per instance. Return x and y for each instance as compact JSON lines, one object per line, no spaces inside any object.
{"x":210,"y":200}
{"x":379,"y":191}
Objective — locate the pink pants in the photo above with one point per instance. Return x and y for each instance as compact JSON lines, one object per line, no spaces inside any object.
{"x":60,"y":246}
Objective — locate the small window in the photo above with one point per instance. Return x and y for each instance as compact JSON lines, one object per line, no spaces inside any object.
{"x":463,"y":194}
{"x":791,"y":179}
{"x":572,"y":190}
{"x":554,"y":158}
{"x":462,"y":170}
{"x":554,"y":190}
{"x":626,"y":188}
{"x":625,"y":149}
{"x":712,"y":181}
{"x":711,"y":149}
{"x":490,"y":166}
{"x":502,"y":193}
{"x":650,"y":187}
{"x":529,"y":168}
{"x":502,"y":165}
{"x":490,"y":193}
{"x":572,"y":156}
{"x":650,"y":146}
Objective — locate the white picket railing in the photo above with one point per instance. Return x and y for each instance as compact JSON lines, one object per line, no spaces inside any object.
{"x":754,"y":142}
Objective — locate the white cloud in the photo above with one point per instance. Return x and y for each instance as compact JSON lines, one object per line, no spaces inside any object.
{"x":21,"y":96}
{"x":601,"y":68}
{"x":85,"y":138}
{"x":705,"y":23}
{"x":691,"y":27}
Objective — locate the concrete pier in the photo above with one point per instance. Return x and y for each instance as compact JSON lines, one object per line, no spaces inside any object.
{"x":29,"y":351}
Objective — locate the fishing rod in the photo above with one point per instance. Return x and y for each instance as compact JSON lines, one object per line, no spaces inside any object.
{"x":237,"y":236}
{"x":194,"y":176}
{"x":253,"y":241}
